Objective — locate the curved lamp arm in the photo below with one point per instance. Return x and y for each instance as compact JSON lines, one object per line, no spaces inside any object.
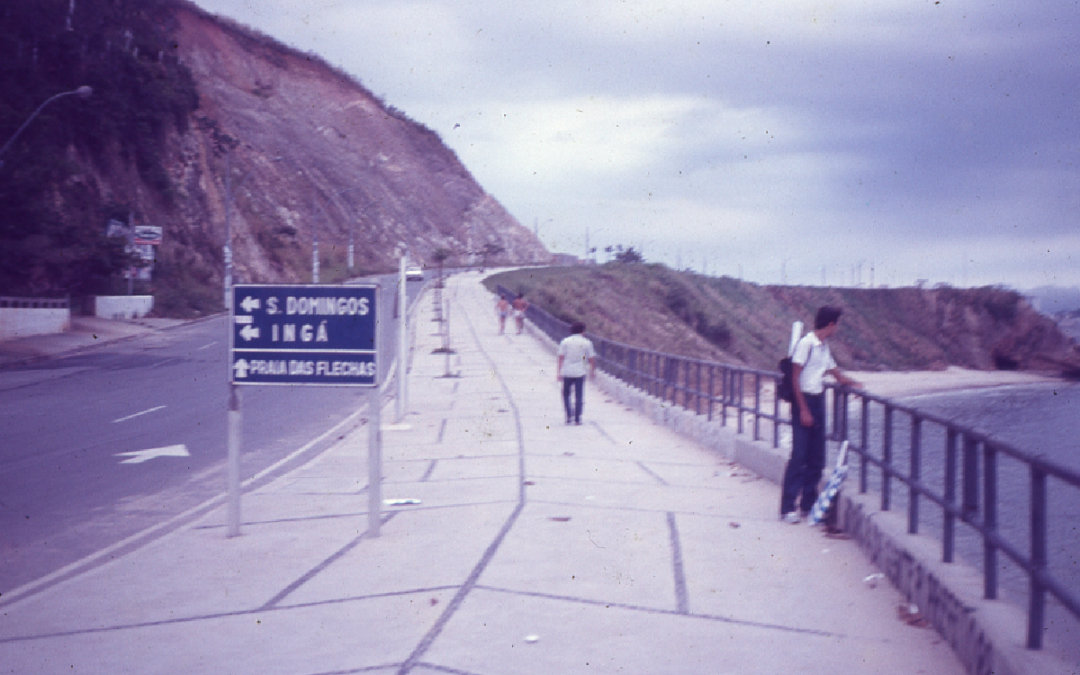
{"x":81,"y":92}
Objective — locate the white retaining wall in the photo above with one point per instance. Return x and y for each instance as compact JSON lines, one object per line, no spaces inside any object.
{"x":23,"y":317}
{"x":123,"y":306}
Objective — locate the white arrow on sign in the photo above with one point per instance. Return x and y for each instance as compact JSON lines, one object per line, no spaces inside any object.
{"x":140,"y":456}
{"x":241,"y":368}
{"x":249,"y":333}
{"x":249,"y":303}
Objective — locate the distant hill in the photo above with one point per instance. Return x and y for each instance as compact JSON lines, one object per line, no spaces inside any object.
{"x":181,"y":99}
{"x":724,"y":319}
{"x":1055,"y":300}
{"x":1069,"y":322}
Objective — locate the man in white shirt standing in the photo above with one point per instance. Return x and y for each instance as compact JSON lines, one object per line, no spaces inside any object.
{"x":810,"y":363}
{"x":577,"y":358}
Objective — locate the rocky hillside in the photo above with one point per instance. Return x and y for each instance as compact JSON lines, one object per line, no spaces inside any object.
{"x":732,"y":321}
{"x":308,"y":151}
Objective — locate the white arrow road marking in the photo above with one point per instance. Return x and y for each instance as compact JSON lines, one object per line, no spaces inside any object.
{"x":140,"y":456}
{"x":150,"y":410}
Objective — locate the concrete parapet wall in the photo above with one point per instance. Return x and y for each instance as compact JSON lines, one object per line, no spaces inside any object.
{"x":25,"y":317}
{"x":123,"y":306}
{"x":762,"y":459}
{"x":697,"y":427}
{"x":987,"y":635}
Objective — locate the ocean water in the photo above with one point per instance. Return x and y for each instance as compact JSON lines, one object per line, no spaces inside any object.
{"x":1042,"y":420}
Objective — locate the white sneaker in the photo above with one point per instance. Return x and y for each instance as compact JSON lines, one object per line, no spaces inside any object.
{"x":791,"y":517}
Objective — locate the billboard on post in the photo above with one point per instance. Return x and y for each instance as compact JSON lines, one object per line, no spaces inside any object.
{"x":146,"y":235}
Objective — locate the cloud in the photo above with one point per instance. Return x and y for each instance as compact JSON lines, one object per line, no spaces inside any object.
{"x":820,"y":134}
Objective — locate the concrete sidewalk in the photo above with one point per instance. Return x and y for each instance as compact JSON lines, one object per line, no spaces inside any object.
{"x":526,"y":546}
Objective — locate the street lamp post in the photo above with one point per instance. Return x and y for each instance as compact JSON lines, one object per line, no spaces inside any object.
{"x":82,"y":92}
{"x":315,"y":237}
{"x":227,"y":250}
{"x":352,"y":257}
{"x":315,"y":254}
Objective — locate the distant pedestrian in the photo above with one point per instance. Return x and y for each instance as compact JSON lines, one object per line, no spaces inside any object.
{"x":577,"y":358}
{"x":502,"y":307}
{"x":520,"y":304}
{"x":810,"y":363}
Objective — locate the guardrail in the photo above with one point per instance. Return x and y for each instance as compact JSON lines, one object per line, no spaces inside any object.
{"x":972,"y":480}
{"x":978,"y":490}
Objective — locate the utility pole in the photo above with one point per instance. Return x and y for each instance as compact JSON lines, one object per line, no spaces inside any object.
{"x":402,"y":353}
{"x":315,"y":253}
{"x":227,"y":250}
{"x":131,"y":248}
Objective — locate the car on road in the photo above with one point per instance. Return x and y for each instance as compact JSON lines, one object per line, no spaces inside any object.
{"x":414,"y":273}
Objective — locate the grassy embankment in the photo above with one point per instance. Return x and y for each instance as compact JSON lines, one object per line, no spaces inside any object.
{"x":727,"y":320}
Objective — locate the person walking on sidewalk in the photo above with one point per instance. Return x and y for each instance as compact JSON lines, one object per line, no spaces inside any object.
{"x":520,"y":304}
{"x":577,"y":358}
{"x":810,"y":363}
{"x":503,"y":308}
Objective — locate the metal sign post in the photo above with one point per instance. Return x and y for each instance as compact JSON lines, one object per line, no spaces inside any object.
{"x":302,"y":335}
{"x":235,"y":435}
{"x":374,"y":462}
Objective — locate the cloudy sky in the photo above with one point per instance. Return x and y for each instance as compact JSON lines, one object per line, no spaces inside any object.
{"x":840,"y":142}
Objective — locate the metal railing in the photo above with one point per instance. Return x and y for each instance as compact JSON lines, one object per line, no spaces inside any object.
{"x":719,"y":391}
{"x":983,"y":483}
{"x":968,"y":467}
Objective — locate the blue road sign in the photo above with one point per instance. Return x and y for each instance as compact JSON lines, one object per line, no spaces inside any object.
{"x":314,"y":335}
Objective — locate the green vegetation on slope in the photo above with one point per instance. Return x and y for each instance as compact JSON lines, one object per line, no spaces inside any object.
{"x":52,"y":220}
{"x":724,"y":319}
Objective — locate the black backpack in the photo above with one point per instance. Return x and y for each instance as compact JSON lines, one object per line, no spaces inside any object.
{"x":785,"y":389}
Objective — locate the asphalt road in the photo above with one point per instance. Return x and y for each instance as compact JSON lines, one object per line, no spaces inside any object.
{"x":66,"y":488}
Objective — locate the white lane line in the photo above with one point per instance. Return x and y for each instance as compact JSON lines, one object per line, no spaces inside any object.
{"x":137,"y":414}
{"x":207,"y":346}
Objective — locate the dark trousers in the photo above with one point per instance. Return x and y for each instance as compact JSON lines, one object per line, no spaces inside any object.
{"x":578,"y":386}
{"x":804,"y":469}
